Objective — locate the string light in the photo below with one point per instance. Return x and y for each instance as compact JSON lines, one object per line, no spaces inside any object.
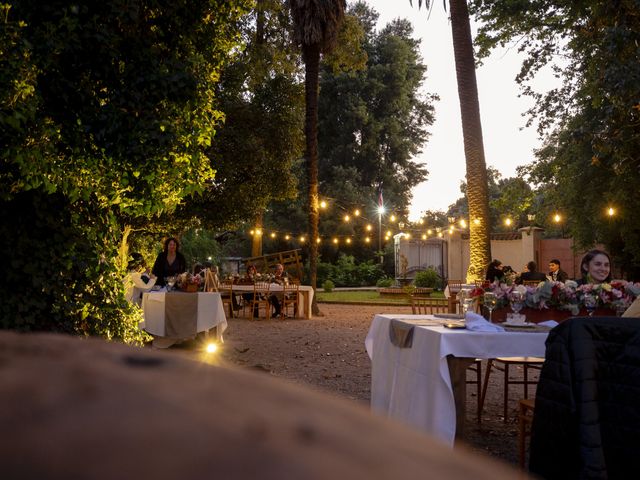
{"x":392,"y":218}
{"x":369,"y":227}
{"x":348,"y":241}
{"x":302,"y":239}
{"x":347,"y":218}
{"x":335,"y":240}
{"x":273,"y":235}
{"x":356,"y":213}
{"x":323,"y":204}
{"x":287,"y":237}
{"x":507,"y":222}
{"x":463,"y":224}
{"x":424,"y":236}
{"x":421,"y":221}
{"x":557,"y":218}
{"x":611,"y":211}
{"x":367,"y":240}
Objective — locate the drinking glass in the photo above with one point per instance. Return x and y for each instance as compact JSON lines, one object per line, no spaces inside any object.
{"x":170,"y":281}
{"x":590,"y":303}
{"x":490,"y":302}
{"x":466,"y":300}
{"x":516,"y":299}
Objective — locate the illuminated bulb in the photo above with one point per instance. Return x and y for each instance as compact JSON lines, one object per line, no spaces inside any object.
{"x":335,"y":240}
{"x":611,"y":211}
{"x":211,"y":348}
{"x":251,"y":232}
{"x":463,"y":224}
{"x":450,"y":230}
{"x":367,"y":239}
{"x":440,"y":234}
{"x":429,"y":232}
{"x":421,"y":221}
{"x":287,"y":237}
{"x":369,"y":228}
{"x":424,"y":236}
{"x":323,"y":204}
{"x":407,"y":236}
{"x":302,"y":239}
{"x":357,"y":213}
{"x":273,"y":235}
{"x":347,"y":218}
{"x":392,"y":218}
{"x":507,"y":221}
{"x":348,"y":240}
{"x":318,"y":240}
{"x":389,"y":233}
{"x":258,"y":231}
{"x":557,"y":218}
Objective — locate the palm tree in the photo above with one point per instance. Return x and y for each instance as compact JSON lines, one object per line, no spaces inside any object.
{"x":477,"y":188}
{"x":316,"y":24}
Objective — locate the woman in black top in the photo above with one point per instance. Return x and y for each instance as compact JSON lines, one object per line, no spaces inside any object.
{"x":494,"y":271}
{"x":169,"y":262}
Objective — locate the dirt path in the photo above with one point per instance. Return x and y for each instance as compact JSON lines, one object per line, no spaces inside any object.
{"x":327,"y":353}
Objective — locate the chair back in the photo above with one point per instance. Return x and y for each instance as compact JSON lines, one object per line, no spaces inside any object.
{"x":531,"y":283}
{"x":454,"y":285}
{"x":211,"y":282}
{"x":586,"y":423}
{"x":421,"y":305}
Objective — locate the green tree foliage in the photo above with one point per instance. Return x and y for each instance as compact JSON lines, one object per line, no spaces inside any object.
{"x":106,"y":112}
{"x":590,"y":159}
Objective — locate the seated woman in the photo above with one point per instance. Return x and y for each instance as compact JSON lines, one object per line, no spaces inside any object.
{"x":138,"y":280}
{"x":170,"y":262}
{"x":494,"y":271}
{"x":595,"y":267}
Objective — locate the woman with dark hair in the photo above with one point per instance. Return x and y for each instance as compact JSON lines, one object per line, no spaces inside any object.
{"x":595,"y":267}
{"x":494,"y":271}
{"x":170,"y":262}
{"x":138,"y":280}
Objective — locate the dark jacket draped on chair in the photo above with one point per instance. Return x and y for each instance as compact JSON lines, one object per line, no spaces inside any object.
{"x":587,"y":411}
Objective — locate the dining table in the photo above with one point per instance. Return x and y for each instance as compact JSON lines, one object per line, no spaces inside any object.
{"x":418,"y":367}
{"x":174,"y":316}
{"x":305,"y":296}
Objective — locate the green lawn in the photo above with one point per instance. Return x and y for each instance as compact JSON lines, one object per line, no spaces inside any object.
{"x":365,"y":296}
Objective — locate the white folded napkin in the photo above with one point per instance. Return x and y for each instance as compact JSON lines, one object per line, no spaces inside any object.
{"x":549,"y":323}
{"x":477,"y":323}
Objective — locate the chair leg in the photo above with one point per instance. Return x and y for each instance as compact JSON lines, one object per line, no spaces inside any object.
{"x":486,"y":383}
{"x":479,"y":391}
{"x":521,"y":426}
{"x":506,"y":391}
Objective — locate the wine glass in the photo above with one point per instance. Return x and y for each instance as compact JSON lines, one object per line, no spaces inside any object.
{"x":590,"y":303}
{"x":490,"y":302}
{"x":466,"y":300}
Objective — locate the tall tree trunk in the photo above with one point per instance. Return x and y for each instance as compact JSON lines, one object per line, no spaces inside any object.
{"x":312,"y":63}
{"x":477,"y":195}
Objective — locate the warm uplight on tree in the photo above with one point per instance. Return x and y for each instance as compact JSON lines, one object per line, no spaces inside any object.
{"x":476,"y":221}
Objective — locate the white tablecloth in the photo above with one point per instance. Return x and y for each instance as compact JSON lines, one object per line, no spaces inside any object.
{"x":305,"y":296}
{"x":413,"y":385}
{"x":210,"y":312}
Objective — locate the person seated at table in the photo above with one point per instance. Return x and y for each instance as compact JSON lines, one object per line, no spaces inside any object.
{"x":281,"y":278}
{"x":595,"y":267}
{"x":530,"y":274}
{"x":556,"y":274}
{"x":494,"y":271}
{"x":169,"y":262}
{"x":138,"y":279}
{"x":249,"y":278}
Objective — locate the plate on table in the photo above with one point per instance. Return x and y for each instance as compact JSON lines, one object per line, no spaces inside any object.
{"x":519,"y":325}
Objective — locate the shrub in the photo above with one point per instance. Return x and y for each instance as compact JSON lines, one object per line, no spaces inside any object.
{"x":385,"y":282}
{"x":328,"y":286}
{"x":428,"y":278}
{"x":346,"y":273}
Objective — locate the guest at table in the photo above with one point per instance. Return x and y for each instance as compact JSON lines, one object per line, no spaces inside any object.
{"x":494,"y":271}
{"x":556,"y":274}
{"x":595,"y":267}
{"x":249,"y":278}
{"x":281,"y":278}
{"x":170,"y":262}
{"x":138,"y":279}
{"x":531,"y":273}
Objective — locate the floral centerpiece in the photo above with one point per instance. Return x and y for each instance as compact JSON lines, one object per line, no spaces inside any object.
{"x":569,"y":296}
{"x":188,"y":282}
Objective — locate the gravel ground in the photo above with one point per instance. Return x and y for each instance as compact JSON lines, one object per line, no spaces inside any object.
{"x":327,"y":353}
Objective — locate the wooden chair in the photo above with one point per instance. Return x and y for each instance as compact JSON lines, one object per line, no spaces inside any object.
{"x":527,"y":363}
{"x":476,"y":369}
{"x":261,"y":299}
{"x":421,"y":305}
{"x":290,"y":299}
{"x":454,"y":286}
{"x":226,"y":294}
{"x":526,"y":408}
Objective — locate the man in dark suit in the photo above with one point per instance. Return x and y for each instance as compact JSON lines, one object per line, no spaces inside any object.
{"x":556,"y":274}
{"x":531,"y":274}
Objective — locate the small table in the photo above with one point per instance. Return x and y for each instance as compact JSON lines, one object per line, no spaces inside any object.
{"x":175,"y":316}
{"x":305,"y":296}
{"x":414,"y":385}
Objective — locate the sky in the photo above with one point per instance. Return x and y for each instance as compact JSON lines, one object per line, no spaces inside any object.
{"x":507,"y":143}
